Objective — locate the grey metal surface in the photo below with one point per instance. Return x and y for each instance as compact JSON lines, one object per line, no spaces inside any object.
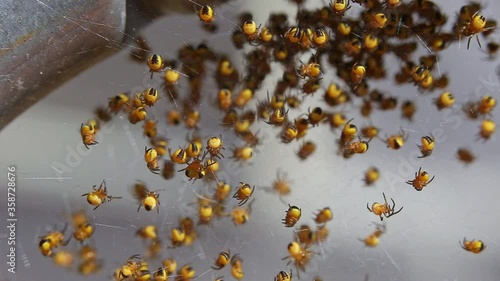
{"x":54,"y":169}
{"x":44,"y":43}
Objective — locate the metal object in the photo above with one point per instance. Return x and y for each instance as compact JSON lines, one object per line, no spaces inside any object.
{"x":47,"y":42}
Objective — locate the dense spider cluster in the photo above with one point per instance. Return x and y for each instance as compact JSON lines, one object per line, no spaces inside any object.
{"x":353,"y":49}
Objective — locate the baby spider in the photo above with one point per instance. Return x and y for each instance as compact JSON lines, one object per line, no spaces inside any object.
{"x":421,"y":180}
{"x":223,"y":259}
{"x":311,"y":70}
{"x":99,"y":195}
{"x":300,"y":255}
{"x":396,"y":141}
{"x":473,"y":26}
{"x":427,"y":146}
{"x":148,"y":199}
{"x":474,"y":246}
{"x":373,"y":239}
{"x":196,"y":169}
{"x":243,"y":193}
{"x":383,"y":210}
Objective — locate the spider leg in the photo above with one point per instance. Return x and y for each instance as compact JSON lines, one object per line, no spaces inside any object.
{"x":300,"y":75}
{"x":462,"y":245}
{"x":64,"y":243}
{"x":64,"y":228}
{"x":430,"y":180}
{"x":468,"y":42}
{"x":217,"y":268}
{"x":478,"y":42}
{"x":393,"y":213}
{"x":243,"y":202}
{"x":136,"y":256}
{"x":385,"y":199}
{"x":298,"y":269}
{"x":368,"y":207}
